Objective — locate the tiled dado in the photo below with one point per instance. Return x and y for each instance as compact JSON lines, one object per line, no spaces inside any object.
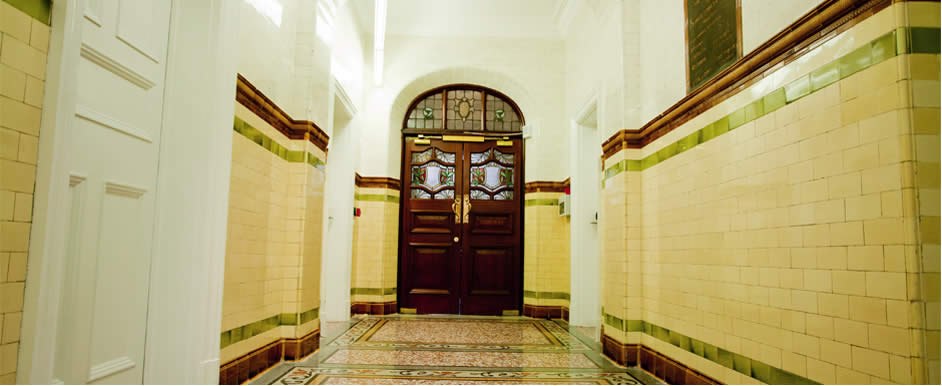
{"x":373,"y":308}
{"x":37,"y":9}
{"x":246,"y":367}
{"x":907,"y":40}
{"x":661,"y":366}
{"x":545,"y":311}
{"x":255,"y":328}
{"x":254,"y":135}
{"x":629,"y":354}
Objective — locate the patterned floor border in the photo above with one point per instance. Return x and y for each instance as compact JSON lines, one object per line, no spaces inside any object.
{"x":357,"y":336}
{"x":302,"y":375}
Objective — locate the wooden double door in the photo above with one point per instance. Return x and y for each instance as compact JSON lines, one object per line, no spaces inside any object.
{"x":461,"y":227}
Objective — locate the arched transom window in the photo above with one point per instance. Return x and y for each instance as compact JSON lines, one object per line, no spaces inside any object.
{"x":462,"y":108}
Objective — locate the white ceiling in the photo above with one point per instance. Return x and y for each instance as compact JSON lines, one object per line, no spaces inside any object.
{"x":470,"y":18}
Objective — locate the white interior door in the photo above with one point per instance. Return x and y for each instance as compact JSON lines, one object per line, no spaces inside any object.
{"x":113,"y":173}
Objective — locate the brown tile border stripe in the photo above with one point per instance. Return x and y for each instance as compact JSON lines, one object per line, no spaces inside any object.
{"x":887,"y":46}
{"x":253,"y":99}
{"x":660,"y":365}
{"x":377,"y":182}
{"x":822,"y":23}
{"x":248,"y":366}
{"x":374,"y":308}
{"x":546,"y":312}
{"x":546,"y":186}
{"x":745,"y":365}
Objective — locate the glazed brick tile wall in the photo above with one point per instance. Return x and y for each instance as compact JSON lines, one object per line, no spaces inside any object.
{"x":23,"y":45}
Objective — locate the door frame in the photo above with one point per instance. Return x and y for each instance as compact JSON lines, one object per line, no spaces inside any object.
{"x":403,"y":196}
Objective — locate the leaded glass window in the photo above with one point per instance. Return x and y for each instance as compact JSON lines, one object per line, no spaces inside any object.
{"x":433,"y":175}
{"x":463,"y":108}
{"x":427,"y":114}
{"x":501,"y":116}
{"x":492,"y":175}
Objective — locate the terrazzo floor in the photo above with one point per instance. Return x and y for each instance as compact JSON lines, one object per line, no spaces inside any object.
{"x":453,"y":350}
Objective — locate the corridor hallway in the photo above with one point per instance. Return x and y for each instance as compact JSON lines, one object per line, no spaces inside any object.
{"x":454,"y":350}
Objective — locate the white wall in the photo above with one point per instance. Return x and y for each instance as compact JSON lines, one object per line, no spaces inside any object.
{"x":530,"y":71}
{"x":762,"y":19}
{"x":267,"y":52}
{"x":663,"y":64}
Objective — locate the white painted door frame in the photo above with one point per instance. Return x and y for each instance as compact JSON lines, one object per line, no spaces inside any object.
{"x":191,"y":199}
{"x":337,"y":264}
{"x":585,"y":256}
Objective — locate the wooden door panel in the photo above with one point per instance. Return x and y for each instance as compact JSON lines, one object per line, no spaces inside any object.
{"x":428,"y":261}
{"x":428,"y":278}
{"x":491,"y":261}
{"x":490,"y":270}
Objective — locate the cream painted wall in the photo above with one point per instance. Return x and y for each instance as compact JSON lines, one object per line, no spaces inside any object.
{"x":663,"y":71}
{"x":267,"y":52}
{"x":763,"y":19}
{"x":530,"y":71}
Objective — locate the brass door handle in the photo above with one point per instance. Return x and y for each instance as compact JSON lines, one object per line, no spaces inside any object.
{"x":467,"y":208}
{"x":456,"y":207}
{"x":456,"y":239}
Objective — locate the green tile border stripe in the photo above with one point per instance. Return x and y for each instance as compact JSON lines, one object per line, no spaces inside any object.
{"x":254,"y":135}
{"x":376,"y":197}
{"x":545,"y":295}
{"x":541,"y":202}
{"x":247,"y":331}
{"x":904,"y":40}
{"x":747,"y":366}
{"x":373,"y":291}
{"x":36,"y":9}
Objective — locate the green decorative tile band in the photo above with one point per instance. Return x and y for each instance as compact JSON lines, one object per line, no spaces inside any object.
{"x":376,"y":197}
{"x":241,"y":333}
{"x":36,"y":9}
{"x":254,"y":135}
{"x":373,"y":291}
{"x":911,"y":40}
{"x":747,"y":366}
{"x":542,"y":202}
{"x":545,"y":295}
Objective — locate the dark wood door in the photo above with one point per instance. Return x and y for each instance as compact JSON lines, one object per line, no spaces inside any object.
{"x":461,"y":227}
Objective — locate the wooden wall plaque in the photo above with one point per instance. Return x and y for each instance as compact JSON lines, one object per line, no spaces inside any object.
{"x":713,"y":33}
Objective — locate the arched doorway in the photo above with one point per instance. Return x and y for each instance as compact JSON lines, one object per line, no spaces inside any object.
{"x":461,"y":230}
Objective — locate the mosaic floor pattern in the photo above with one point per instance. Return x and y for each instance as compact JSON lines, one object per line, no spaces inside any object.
{"x":449,"y":350}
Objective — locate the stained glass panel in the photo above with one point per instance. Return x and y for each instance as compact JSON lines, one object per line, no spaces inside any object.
{"x":427,"y":114}
{"x":507,"y":158}
{"x":479,"y":195}
{"x":463,"y":110}
{"x":477,"y":158}
{"x":427,"y":155}
{"x":505,"y":195}
{"x":501,"y":115}
{"x":421,"y":194}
